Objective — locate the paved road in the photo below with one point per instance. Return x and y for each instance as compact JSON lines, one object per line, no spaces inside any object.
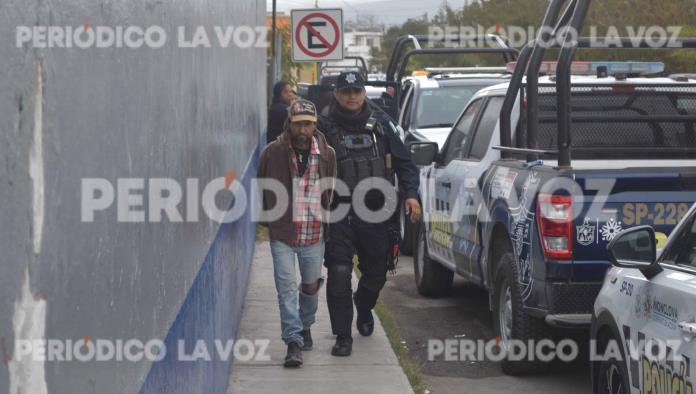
{"x":465,"y":314}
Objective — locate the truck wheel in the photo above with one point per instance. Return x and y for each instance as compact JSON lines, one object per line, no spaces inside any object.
{"x":612,"y":378}
{"x":407,"y":229}
{"x":509,"y":320}
{"x":432,"y":279}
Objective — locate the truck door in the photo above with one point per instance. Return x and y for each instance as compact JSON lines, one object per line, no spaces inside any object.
{"x":444,"y":177}
{"x":405,"y":105}
{"x":468,"y":204}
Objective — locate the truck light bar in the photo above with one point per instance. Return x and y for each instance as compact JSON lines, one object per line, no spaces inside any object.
{"x":590,"y":68}
{"x":466,"y":70}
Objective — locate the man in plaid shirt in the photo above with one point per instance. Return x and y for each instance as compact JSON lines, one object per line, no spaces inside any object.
{"x":300,"y":159}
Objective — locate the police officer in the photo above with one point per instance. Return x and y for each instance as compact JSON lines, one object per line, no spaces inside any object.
{"x":367,"y":147}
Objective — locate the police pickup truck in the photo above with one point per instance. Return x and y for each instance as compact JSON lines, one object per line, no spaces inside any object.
{"x":432,"y":102}
{"x":510,"y":211}
{"x":425,"y":105}
{"x":429,"y":101}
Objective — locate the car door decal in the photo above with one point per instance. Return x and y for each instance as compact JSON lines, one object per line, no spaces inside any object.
{"x":522,"y":219}
{"x":665,"y":371}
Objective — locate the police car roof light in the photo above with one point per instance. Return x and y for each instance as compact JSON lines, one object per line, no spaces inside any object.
{"x":465,"y":70}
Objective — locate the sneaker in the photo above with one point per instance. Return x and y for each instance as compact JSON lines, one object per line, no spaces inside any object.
{"x":294,"y":357}
{"x":307,"y":337}
{"x":343,"y":346}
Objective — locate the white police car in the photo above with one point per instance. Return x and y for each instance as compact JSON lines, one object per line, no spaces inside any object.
{"x":644,"y":320}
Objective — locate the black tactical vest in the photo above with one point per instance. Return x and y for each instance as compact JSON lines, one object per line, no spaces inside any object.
{"x":360,"y":153}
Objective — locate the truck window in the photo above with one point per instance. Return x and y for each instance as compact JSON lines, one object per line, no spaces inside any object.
{"x":484,"y":132}
{"x":683,"y":251}
{"x":457,"y":139}
{"x":616,"y":138}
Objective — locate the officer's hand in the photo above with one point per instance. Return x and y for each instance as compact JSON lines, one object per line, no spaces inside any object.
{"x":413,"y":209}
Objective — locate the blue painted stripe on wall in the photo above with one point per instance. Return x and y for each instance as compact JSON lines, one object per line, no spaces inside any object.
{"x":211,"y":310}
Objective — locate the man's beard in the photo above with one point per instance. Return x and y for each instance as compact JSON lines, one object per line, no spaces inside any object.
{"x":300,"y":141}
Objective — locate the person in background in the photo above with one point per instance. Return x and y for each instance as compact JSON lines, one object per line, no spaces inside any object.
{"x":388,"y":99}
{"x":283,"y":95}
{"x":299,"y":159}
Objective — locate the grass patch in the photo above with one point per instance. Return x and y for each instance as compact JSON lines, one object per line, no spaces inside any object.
{"x":410,"y":368}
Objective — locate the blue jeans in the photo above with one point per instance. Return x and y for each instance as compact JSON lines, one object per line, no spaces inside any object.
{"x":294,"y":319}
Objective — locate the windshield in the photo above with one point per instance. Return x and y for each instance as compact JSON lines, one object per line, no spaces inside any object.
{"x":441,"y":107}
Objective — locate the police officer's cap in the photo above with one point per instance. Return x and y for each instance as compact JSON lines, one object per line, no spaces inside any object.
{"x":350,"y":80}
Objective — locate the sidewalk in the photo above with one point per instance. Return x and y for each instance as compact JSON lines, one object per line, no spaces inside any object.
{"x":372,"y":368}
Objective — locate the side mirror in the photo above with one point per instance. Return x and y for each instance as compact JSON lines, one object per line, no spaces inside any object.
{"x":423,"y":153}
{"x":636,"y":248}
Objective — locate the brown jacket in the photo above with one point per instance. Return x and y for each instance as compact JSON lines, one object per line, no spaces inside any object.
{"x":275,"y":163}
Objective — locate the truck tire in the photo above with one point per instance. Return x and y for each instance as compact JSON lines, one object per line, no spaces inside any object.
{"x":407,"y":229}
{"x":432,"y":279}
{"x":612,"y":375}
{"x":511,"y":322}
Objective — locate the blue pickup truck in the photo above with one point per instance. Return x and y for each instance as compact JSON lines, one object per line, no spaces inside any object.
{"x":505,"y":207}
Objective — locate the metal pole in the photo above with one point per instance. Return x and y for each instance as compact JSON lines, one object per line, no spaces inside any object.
{"x":316,"y":65}
{"x":511,"y":97}
{"x":273,"y":34}
{"x":535,"y":61}
{"x":277,"y":69}
{"x":563,"y":93}
{"x":273,"y":71}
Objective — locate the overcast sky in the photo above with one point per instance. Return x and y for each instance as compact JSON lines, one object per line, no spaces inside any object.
{"x":389,"y":12}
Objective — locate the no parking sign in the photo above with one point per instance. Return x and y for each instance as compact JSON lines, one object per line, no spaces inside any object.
{"x":317,"y":35}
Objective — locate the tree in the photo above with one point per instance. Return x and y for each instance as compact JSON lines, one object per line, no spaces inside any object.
{"x":603,"y":15}
{"x":364,"y":22}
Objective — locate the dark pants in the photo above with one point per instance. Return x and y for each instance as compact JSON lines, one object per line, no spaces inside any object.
{"x":370,"y":242}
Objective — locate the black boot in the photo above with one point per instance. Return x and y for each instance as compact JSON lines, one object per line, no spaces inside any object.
{"x":343,"y":346}
{"x":365,"y":323}
{"x":307,"y":337}
{"x":294,"y":357}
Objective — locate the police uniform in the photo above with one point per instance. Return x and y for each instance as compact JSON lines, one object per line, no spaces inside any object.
{"x":367,"y":145}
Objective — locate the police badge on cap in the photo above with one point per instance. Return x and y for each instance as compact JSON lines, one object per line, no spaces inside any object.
{"x":350,"y":79}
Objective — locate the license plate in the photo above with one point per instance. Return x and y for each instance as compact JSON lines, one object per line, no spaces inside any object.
{"x":654,"y":214}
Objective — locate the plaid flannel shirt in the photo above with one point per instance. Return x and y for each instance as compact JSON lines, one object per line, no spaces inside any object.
{"x":307,"y":199}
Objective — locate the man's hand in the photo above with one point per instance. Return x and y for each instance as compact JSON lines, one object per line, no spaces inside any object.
{"x":413,"y":209}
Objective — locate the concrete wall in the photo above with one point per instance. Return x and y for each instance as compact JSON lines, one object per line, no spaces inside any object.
{"x":67,"y":114}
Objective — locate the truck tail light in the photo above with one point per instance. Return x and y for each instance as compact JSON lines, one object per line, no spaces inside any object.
{"x":555,"y":217}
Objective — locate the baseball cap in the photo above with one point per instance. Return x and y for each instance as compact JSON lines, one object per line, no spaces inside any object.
{"x":351,"y":79}
{"x":302,"y":110}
